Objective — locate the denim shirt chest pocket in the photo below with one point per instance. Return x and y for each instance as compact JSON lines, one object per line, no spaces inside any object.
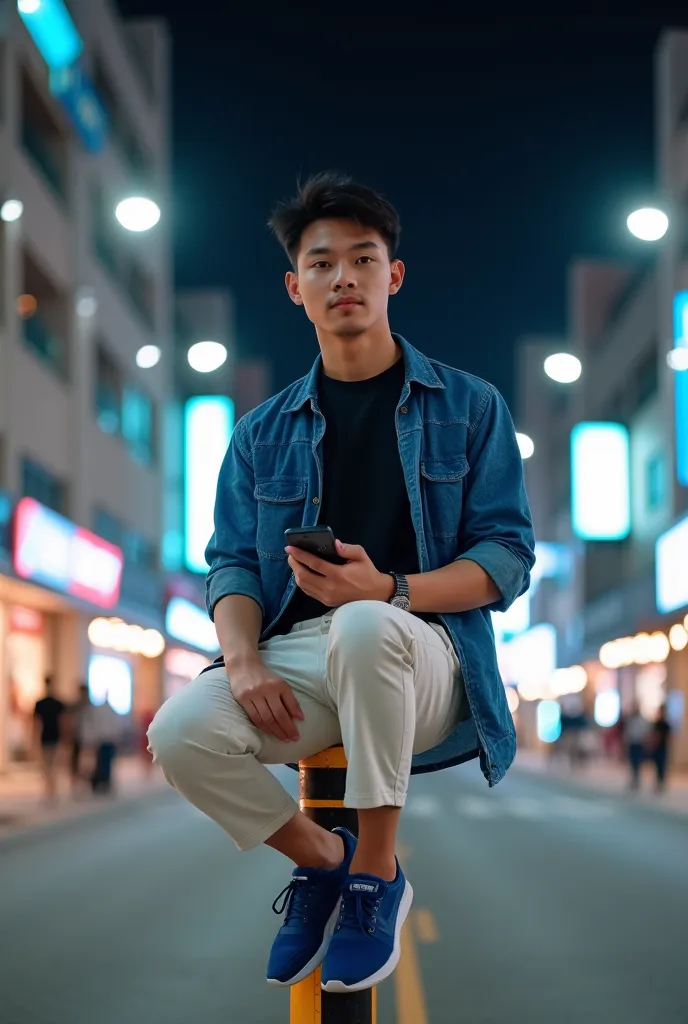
{"x":442,"y":493}
{"x":280,"y":503}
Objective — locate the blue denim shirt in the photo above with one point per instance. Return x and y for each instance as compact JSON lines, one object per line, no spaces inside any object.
{"x":464,"y":478}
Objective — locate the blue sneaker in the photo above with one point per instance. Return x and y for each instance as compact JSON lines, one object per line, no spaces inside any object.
{"x":366,"y":944}
{"x":311,"y":906}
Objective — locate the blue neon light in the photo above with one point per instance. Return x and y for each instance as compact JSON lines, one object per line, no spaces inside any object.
{"x":600,"y":481}
{"x":50,"y":26}
{"x":208,"y":426}
{"x":681,"y":388}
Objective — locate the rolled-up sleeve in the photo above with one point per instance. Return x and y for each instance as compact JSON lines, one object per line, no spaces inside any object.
{"x":496,"y":529}
{"x":231,"y":553}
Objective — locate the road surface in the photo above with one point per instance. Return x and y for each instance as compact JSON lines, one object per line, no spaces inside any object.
{"x":536,"y":903}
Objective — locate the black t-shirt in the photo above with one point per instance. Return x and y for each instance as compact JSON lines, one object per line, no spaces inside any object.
{"x":50,"y":711}
{"x":364,"y":496}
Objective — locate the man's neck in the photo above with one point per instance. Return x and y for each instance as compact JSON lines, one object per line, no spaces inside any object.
{"x":361,"y":357}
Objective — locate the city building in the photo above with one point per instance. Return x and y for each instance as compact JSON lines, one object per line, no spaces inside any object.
{"x":608,"y":480}
{"x":85,"y":355}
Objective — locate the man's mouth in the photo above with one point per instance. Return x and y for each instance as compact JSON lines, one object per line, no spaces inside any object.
{"x":344,"y":303}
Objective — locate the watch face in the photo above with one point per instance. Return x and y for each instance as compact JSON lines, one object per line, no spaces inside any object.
{"x":402,"y":602}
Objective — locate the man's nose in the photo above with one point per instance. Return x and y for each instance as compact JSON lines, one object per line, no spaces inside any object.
{"x":344,"y":277}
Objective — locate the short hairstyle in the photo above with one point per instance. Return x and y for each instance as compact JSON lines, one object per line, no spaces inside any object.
{"x":332,"y":194}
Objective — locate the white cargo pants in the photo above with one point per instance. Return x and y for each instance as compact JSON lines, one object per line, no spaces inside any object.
{"x":377,"y":679}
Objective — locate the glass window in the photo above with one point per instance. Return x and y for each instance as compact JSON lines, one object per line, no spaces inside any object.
{"x":138,"y":423}
{"x":655,"y":481}
{"x":43,"y":312}
{"x":41,"y":138}
{"x":108,"y":393}
{"x":108,"y":526}
{"x":647,"y":379}
{"x":139,"y":551}
{"x":42,"y":485}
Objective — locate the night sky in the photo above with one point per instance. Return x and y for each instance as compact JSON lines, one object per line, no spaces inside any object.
{"x":507,"y":150}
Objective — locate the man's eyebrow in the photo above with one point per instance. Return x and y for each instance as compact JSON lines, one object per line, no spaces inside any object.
{"x":323,"y":250}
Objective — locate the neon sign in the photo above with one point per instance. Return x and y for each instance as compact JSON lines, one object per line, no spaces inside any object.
{"x":50,"y":549}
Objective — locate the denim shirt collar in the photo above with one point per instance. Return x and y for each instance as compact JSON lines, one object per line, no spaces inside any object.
{"x":418,"y":368}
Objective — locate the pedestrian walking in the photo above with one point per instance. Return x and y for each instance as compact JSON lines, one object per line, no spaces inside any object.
{"x":103,"y":733}
{"x":658,"y":745}
{"x":49,"y":723}
{"x":636,"y":733}
{"x":383,"y":643}
{"x":78,"y":717}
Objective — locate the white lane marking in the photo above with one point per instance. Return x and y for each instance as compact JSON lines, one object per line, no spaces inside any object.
{"x":531,"y":808}
{"x":423,"y":807}
{"x":527,"y":807}
{"x":576,"y":807}
{"x":476,"y":807}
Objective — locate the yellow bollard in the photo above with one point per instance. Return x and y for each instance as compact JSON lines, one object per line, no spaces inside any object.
{"x":322,"y":780}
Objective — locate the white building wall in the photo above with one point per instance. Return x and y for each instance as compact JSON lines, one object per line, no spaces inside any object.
{"x":41,"y":415}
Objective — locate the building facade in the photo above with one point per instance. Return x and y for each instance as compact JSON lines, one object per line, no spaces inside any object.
{"x":609,"y":608}
{"x":84,"y":123}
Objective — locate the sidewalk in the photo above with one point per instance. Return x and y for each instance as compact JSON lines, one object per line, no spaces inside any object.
{"x":22,"y":804}
{"x":609,"y":777}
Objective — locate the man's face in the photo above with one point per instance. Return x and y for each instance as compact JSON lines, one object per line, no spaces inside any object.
{"x":344,"y":277}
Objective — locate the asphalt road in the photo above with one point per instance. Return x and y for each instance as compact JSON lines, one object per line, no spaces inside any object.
{"x":535,"y":903}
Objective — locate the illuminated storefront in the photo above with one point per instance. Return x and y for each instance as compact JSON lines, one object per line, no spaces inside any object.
{"x":192,"y":640}
{"x":53,"y":576}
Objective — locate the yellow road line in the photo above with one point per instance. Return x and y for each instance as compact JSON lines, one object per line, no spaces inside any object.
{"x":426,"y":926}
{"x":410,"y":998}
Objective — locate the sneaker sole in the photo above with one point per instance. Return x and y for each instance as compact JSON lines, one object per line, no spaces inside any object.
{"x":389,"y":966}
{"x":315,"y":960}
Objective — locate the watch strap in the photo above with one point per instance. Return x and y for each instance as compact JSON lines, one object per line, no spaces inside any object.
{"x":401,"y":586}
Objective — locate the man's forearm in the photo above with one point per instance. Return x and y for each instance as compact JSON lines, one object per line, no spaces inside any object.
{"x":238,"y":621}
{"x":458,"y":587}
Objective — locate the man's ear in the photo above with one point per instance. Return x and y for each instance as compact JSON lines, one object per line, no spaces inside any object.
{"x":397,"y":272}
{"x":292,"y":282}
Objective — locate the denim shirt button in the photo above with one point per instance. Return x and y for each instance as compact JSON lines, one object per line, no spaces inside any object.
{"x":316,"y":501}
{"x":403,"y":410}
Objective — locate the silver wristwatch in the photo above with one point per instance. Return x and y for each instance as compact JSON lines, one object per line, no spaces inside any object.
{"x":401,"y":596}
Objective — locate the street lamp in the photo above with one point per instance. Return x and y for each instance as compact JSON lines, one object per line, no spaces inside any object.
{"x":649,"y":223}
{"x":206,"y":356}
{"x":563,"y":367}
{"x":677,"y":358}
{"x":11,"y":209}
{"x":137,"y":213}
{"x":148,"y":356}
{"x":525,"y":445}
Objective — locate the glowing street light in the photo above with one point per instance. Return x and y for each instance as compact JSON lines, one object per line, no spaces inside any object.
{"x":148,"y":356}
{"x":11,"y":210}
{"x":137,"y":213}
{"x":206,"y":356}
{"x":677,"y":358}
{"x":649,"y":224}
{"x":563,"y":367}
{"x":525,"y":445}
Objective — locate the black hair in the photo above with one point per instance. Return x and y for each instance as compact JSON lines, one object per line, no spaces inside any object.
{"x":333,"y":194}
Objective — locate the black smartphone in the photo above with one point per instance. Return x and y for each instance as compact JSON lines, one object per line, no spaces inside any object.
{"x":316,"y":540}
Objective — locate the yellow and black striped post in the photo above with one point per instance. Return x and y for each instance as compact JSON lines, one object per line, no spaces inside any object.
{"x":322,"y":780}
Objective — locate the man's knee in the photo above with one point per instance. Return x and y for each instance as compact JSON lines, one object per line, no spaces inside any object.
{"x":181,"y":727}
{"x":362,"y":629}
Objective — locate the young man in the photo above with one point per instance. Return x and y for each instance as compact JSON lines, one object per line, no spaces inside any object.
{"x":416,"y":468}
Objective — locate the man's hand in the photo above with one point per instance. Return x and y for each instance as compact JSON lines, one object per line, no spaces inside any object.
{"x":268,"y":701}
{"x":335,"y":585}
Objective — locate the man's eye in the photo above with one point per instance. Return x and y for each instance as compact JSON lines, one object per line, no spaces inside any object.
{"x":320,"y":264}
{"x":368,"y":258}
